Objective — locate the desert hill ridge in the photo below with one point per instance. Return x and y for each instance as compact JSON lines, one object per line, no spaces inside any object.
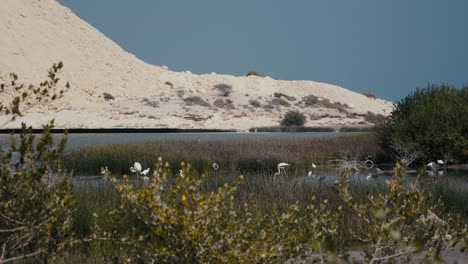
{"x":111,"y":88}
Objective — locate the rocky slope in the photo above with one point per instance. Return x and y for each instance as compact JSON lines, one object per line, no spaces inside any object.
{"x":111,"y":88}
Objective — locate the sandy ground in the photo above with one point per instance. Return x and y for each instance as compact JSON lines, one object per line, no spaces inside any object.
{"x":37,"y":33}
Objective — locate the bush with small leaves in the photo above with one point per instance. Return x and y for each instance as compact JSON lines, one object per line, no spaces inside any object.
{"x":18,"y":99}
{"x":293,"y":118}
{"x":36,"y":204}
{"x":405,"y":220}
{"x":180,"y":221}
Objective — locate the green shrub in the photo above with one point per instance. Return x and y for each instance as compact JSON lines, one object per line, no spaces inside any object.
{"x":36,"y":203}
{"x":431,"y":122}
{"x":293,"y":118}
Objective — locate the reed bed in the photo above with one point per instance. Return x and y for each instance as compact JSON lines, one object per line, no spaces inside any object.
{"x":241,"y":156}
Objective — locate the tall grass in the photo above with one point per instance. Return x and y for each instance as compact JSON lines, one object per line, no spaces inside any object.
{"x":239,"y":156}
{"x":261,"y":189}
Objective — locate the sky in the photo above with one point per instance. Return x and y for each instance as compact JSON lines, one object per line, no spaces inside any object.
{"x":388,"y":48}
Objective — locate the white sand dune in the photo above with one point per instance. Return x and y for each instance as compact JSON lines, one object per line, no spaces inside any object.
{"x":36,"y":33}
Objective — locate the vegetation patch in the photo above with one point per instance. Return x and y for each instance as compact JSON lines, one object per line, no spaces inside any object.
{"x":255,"y":73}
{"x":196,"y":100}
{"x":310,"y":100}
{"x":280,"y":102}
{"x":108,"y":96}
{"x":255,"y":103}
{"x":223,"y":89}
{"x":431,"y":123}
{"x":293,"y":118}
{"x":169,"y":84}
{"x":370,"y":95}
{"x":151,"y":103}
{"x":374,"y":118}
{"x":280,"y":95}
{"x":221,"y":103}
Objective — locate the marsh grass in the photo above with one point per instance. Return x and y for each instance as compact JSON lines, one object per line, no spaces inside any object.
{"x":260,"y":189}
{"x":240,"y":156}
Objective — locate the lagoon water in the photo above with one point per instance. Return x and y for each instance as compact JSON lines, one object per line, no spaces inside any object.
{"x":76,"y":141}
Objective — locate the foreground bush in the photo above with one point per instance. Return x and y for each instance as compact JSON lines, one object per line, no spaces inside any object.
{"x":431,"y":122}
{"x":35,"y":193}
{"x":403,"y":221}
{"x":181,"y":222}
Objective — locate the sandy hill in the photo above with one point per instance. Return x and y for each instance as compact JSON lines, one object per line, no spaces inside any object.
{"x":36,"y":33}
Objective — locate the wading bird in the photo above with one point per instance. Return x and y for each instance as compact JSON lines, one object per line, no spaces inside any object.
{"x":440,"y":162}
{"x":136,"y":167}
{"x":215,"y":167}
{"x":314,"y":168}
{"x":181,"y":173}
{"x":379,"y":171}
{"x":104,"y":171}
{"x":281,"y":166}
{"x":432,"y":165}
{"x":370,"y":176}
{"x":145,"y":172}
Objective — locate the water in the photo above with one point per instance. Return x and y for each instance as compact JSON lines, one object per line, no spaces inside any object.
{"x":76,"y":141}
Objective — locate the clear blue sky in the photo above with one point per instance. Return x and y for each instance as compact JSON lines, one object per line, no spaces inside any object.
{"x":384,"y":47}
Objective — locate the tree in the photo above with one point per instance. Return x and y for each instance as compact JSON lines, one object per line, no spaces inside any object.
{"x":293,"y":118}
{"x":431,"y":122}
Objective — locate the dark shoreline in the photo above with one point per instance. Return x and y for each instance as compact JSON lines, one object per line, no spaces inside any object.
{"x":193,"y":130}
{"x":118,"y":130}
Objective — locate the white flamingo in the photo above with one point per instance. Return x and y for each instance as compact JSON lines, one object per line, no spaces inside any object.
{"x":215,"y":166}
{"x":145,"y":172}
{"x":314,"y":168}
{"x":281,"y":166}
{"x":136,"y":167}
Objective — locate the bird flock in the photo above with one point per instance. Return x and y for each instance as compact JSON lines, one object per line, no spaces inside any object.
{"x":137,"y":169}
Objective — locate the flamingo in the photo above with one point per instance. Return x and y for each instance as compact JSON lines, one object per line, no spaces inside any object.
{"x":314,"y":167}
{"x":215,"y":166}
{"x":281,"y":166}
{"x":370,"y":176}
{"x":136,"y":167}
{"x":145,"y":172}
